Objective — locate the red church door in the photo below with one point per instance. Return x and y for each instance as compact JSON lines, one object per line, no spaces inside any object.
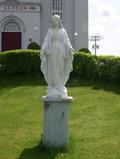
{"x":11,"y":40}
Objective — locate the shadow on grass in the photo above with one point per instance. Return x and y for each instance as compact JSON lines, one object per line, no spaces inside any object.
{"x":38,"y":152}
{"x":113,"y":86}
{"x":37,"y":79}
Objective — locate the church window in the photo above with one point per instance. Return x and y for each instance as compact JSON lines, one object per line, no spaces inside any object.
{"x":11,"y":27}
{"x":57,"y":8}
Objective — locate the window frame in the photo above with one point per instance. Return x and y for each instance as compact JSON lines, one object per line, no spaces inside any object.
{"x":55,"y":8}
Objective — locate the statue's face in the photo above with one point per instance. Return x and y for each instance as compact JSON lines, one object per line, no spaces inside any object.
{"x":56,"y":21}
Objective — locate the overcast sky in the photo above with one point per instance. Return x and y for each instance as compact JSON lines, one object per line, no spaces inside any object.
{"x":104,"y":20}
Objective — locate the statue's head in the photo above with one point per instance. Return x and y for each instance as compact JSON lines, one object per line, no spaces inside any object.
{"x":56,"y":21}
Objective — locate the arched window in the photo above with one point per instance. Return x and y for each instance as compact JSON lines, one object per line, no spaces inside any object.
{"x":11,"y":27}
{"x":57,"y":8}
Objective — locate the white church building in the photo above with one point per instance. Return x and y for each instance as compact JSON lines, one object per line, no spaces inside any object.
{"x":26,"y":21}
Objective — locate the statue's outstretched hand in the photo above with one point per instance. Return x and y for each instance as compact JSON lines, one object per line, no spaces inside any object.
{"x":42,"y":52}
{"x":43,"y":59}
{"x":71,"y":51}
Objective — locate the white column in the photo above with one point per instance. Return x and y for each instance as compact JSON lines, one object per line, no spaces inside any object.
{"x":81,"y":23}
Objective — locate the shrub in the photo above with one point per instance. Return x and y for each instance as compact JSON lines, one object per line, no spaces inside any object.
{"x":109,"y":67}
{"x":85,"y":50}
{"x":102,"y":67}
{"x":85,"y":65}
{"x":19,"y":61}
{"x":34,"y":46}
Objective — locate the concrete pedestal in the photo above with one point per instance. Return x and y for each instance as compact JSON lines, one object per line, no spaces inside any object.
{"x":56,"y":119}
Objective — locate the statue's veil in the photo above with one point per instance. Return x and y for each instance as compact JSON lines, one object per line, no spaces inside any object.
{"x":58,"y":18}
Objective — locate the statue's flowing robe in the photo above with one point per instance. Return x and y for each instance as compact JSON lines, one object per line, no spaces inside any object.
{"x":56,"y":57}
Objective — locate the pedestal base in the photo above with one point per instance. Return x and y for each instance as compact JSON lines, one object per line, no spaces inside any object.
{"x":56,"y":117}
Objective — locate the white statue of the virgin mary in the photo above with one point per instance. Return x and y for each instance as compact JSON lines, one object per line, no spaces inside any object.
{"x":56,"y":59}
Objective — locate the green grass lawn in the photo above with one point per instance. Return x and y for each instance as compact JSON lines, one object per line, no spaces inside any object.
{"x":94,"y":129}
